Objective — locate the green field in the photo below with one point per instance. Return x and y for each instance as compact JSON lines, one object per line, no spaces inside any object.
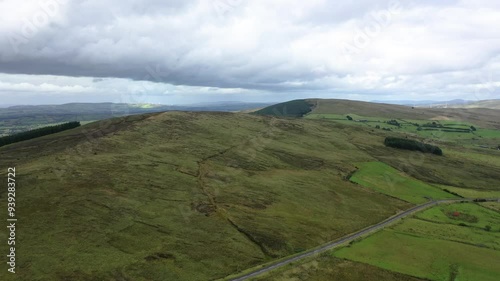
{"x":435,"y":246}
{"x":471,"y":215}
{"x":491,"y":205}
{"x":408,"y":126}
{"x":387,"y":180}
{"x":479,"y":117}
{"x":430,"y":258}
{"x":471,"y":235}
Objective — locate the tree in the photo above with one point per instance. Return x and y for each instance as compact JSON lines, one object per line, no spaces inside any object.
{"x":394,"y":123}
{"x":412,"y":145}
{"x":472,"y":128}
{"x":487,"y":228}
{"x":349,"y":118}
{"x":37,"y":133}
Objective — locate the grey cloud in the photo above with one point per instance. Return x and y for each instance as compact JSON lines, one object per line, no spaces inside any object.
{"x":256,"y":45}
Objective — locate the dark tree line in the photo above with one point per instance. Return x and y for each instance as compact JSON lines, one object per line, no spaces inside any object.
{"x":412,"y":145}
{"x":37,"y":133}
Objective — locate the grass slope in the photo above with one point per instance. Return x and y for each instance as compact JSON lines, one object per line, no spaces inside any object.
{"x":453,"y":232}
{"x":471,"y":215}
{"x":199,"y":196}
{"x":493,"y":104}
{"x":423,"y":257}
{"x":452,"y":169}
{"x":482,"y":117}
{"x":385,"y":179}
{"x":183,"y":196}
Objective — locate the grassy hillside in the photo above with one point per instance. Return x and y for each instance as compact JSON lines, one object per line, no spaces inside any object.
{"x":487,"y":118}
{"x":469,"y":168}
{"x":390,"y":181}
{"x":202,"y":195}
{"x":183,"y":196}
{"x":295,"y":108}
{"x":449,"y":242}
{"x":472,"y":152}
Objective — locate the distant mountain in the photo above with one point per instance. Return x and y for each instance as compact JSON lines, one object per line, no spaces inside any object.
{"x":227,"y":103}
{"x":124,"y":108}
{"x":20,"y":118}
{"x":492,"y":104}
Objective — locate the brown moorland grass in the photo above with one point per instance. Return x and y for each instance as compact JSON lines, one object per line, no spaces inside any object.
{"x":183,"y":196}
{"x":198,"y":196}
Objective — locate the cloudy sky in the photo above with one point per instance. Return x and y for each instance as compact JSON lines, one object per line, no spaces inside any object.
{"x":189,"y":51}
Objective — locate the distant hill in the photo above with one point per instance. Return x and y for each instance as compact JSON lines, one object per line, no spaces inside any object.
{"x":422,"y":102}
{"x":295,"y":108}
{"x":15,"y":119}
{"x":120,"y":109}
{"x":202,"y":195}
{"x":481,"y":116}
{"x":456,"y":103}
{"x":492,"y":104}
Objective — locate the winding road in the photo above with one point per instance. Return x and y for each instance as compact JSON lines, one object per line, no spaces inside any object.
{"x":350,"y":237}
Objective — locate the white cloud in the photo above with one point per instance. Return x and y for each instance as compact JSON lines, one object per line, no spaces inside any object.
{"x":252,"y":49}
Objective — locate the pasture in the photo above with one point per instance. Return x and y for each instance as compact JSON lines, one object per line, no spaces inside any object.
{"x":387,"y":180}
{"x":449,"y":242}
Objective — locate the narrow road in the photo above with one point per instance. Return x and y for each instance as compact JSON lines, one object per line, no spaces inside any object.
{"x":351,"y":237}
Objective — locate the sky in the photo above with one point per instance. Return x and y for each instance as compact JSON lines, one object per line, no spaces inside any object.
{"x":192,"y":51}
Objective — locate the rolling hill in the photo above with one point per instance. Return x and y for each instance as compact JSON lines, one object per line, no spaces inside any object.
{"x":202,"y":195}
{"x":492,"y":104}
{"x":481,"y":116}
